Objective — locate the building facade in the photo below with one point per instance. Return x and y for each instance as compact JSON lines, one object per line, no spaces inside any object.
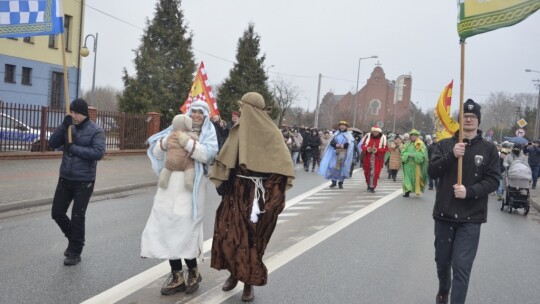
{"x":31,"y":68}
{"x":380,"y":101}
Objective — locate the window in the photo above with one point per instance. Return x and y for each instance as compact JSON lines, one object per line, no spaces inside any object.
{"x":53,"y":41}
{"x":29,"y":40}
{"x":9,"y":74}
{"x":26,"y":78}
{"x":374,"y":106}
{"x":57,"y":90}
{"x":67,"y":32}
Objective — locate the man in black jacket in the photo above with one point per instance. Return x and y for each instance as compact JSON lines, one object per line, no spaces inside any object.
{"x":77,"y":175}
{"x":460,"y":209}
{"x":534,"y":160}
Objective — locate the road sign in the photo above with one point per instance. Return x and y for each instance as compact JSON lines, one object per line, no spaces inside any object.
{"x":522,"y":123}
{"x":520,"y":133}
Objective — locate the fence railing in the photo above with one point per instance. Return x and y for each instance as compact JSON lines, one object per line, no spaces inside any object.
{"x":28,"y":127}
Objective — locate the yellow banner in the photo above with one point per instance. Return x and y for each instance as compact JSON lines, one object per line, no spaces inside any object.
{"x":445,"y":126}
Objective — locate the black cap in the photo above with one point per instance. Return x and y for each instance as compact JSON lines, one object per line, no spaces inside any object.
{"x":472,"y":107}
{"x":80,"y":106}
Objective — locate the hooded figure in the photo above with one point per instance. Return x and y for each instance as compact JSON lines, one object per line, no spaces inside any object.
{"x":374,"y":147}
{"x":174,"y":229}
{"x":336,"y":162}
{"x":251,"y":173}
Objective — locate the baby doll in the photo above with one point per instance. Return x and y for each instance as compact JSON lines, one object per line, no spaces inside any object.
{"x":178,"y":159}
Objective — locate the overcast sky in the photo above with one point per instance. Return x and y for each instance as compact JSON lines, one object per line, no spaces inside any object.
{"x":302,"y":38}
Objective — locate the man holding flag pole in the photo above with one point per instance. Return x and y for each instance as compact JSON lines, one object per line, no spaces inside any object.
{"x":458,"y":217}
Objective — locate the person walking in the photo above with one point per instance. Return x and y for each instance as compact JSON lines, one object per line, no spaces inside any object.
{"x":415,"y":163}
{"x":77,"y":175}
{"x":534,"y":160}
{"x":310,"y":148}
{"x":297,"y":141}
{"x":338,"y":156}
{"x":394,"y":161}
{"x":174,"y":229}
{"x":374,"y":147}
{"x":460,"y":209}
{"x":430,"y":146}
{"x":251,"y":173}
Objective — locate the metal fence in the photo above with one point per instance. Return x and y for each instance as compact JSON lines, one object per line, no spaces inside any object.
{"x":28,"y":127}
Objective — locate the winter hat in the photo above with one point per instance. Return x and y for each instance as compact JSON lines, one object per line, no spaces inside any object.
{"x":80,"y":106}
{"x":472,"y":107}
{"x":376,"y":128}
{"x":343,"y":122}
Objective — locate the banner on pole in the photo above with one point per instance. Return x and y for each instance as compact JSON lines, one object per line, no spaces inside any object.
{"x":201,"y":90}
{"x":477,"y":17}
{"x":26,"y":18}
{"x":445,"y":126}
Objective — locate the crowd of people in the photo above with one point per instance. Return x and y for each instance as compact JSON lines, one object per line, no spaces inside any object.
{"x":252,"y":164}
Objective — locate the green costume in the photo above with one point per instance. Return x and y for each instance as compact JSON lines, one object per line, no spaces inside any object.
{"x":415,"y":175}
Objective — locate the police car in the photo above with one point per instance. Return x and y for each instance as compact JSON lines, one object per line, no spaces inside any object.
{"x":15,"y":135}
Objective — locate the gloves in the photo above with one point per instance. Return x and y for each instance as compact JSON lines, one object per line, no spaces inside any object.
{"x":68,"y":121}
{"x":67,"y":147}
{"x":183,"y":139}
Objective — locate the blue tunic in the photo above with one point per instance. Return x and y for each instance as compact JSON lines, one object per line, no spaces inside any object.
{"x":327,"y":168}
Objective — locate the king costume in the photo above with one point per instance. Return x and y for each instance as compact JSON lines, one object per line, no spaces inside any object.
{"x":374,"y":147}
{"x":338,"y":156}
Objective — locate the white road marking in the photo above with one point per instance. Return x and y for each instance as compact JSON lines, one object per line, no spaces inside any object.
{"x":310,"y":202}
{"x":216,"y":295}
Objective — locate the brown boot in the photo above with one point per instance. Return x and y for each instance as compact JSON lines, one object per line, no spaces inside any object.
{"x":229,"y":284}
{"x":194,"y":277}
{"x":248,"y":295}
{"x":175,"y":283}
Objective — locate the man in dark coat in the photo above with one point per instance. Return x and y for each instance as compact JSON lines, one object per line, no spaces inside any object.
{"x":77,"y":175}
{"x":460,"y":210}
{"x":534,"y":160}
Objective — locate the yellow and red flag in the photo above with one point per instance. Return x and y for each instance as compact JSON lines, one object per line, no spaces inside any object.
{"x":201,"y":90}
{"x":445,"y":126}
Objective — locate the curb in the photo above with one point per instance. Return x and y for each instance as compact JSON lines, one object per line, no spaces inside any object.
{"x":11,"y":206}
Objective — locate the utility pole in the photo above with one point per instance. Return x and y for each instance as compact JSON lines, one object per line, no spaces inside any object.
{"x":316,"y":124}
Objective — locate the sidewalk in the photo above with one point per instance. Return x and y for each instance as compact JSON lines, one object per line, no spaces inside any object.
{"x":31,"y":182}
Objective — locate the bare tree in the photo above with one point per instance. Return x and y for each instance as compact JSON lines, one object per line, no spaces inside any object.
{"x":104,"y":99}
{"x":285,"y":94}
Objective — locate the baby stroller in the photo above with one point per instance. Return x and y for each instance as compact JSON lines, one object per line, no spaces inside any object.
{"x":516,"y":193}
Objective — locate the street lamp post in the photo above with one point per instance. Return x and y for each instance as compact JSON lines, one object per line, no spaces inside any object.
{"x":537,"y":123}
{"x":357,"y":80}
{"x":84,"y":53}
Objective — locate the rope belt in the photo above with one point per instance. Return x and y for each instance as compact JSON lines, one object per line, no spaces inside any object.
{"x":259,"y":193}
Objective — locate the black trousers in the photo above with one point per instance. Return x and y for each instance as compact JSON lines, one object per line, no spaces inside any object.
{"x":176,"y":265}
{"x":79,"y":193}
{"x":456,"y":245}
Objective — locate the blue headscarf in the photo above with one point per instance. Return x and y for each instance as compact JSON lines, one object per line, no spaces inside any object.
{"x":207,"y":138}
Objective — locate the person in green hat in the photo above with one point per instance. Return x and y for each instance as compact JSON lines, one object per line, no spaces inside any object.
{"x":415,"y":160}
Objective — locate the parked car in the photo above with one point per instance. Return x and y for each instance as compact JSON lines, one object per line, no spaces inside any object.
{"x":16,"y":135}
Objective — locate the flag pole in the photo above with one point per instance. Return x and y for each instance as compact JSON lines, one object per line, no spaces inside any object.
{"x":66,"y":83}
{"x":461,"y":88}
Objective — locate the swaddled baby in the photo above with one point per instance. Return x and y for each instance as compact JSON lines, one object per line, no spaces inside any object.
{"x":178,"y":158}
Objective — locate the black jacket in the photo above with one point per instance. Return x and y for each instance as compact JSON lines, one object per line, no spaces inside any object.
{"x":534,"y":155}
{"x":80,"y":162}
{"x":480,"y":176}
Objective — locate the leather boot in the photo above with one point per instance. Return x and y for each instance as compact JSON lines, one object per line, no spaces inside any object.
{"x":248,"y":295}
{"x":175,"y":283}
{"x":340,"y":184}
{"x":194,"y":277}
{"x":229,"y":284}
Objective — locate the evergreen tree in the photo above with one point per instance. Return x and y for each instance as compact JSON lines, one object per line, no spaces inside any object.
{"x":164,"y":64}
{"x":247,"y":75}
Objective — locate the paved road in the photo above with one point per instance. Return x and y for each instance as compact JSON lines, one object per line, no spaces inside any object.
{"x":331,"y":246}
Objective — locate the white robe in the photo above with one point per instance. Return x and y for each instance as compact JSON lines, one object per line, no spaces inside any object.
{"x":171,"y":231}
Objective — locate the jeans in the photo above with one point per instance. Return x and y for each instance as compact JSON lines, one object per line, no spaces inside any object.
{"x":500,"y":190}
{"x":294,"y":158}
{"x":456,"y":245}
{"x":73,"y":229}
{"x":535,"y":170}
